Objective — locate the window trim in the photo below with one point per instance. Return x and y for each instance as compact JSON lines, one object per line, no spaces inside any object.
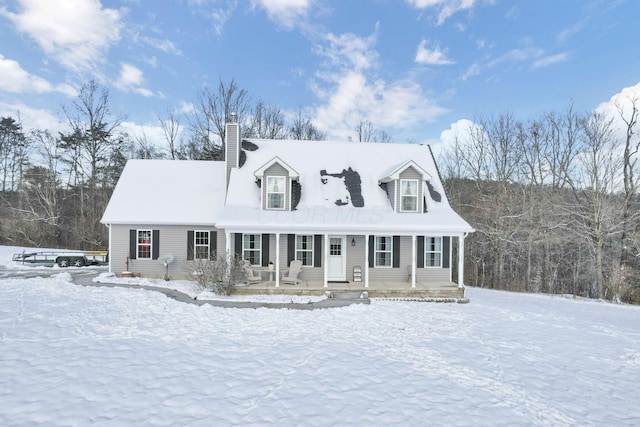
{"x":139,"y":245}
{"x":257,"y":249}
{"x":196,"y":245}
{"x":283,"y":192}
{"x":427,"y":246}
{"x":376,"y":251}
{"x":402,"y":196}
{"x":310,"y":250}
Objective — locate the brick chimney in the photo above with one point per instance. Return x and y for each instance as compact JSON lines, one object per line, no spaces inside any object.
{"x":232,"y":144}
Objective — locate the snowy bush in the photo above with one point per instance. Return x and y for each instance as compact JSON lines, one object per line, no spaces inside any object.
{"x":218,"y":274}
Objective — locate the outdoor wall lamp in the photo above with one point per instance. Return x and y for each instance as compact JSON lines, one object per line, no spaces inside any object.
{"x":353,"y":241}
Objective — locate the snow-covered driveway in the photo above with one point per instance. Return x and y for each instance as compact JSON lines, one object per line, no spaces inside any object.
{"x":74,"y":355}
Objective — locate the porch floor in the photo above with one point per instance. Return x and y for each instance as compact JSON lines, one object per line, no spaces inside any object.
{"x":375,"y":289}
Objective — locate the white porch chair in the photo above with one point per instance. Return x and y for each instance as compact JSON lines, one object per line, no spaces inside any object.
{"x":291,"y":277}
{"x":251,"y":275}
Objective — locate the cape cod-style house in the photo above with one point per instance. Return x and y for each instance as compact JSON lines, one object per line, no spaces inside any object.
{"x":369,"y":216}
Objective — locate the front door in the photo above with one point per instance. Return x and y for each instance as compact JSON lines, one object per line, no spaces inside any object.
{"x":337,"y":262}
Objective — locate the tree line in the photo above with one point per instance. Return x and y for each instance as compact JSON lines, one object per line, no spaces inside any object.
{"x":553,"y":199}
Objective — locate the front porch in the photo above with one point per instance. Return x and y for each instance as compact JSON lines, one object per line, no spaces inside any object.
{"x":378,"y":289}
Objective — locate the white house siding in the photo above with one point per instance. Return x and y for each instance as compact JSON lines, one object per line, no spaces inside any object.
{"x":173,"y":239}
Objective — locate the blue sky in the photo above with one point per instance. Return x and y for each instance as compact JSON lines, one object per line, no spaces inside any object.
{"x":414,"y":68}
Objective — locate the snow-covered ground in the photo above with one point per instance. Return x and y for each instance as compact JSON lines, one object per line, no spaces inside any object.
{"x":75,"y":355}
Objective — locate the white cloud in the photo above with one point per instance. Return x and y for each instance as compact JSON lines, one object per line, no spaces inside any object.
{"x":166,"y":46}
{"x":32,"y":118}
{"x":473,"y":70}
{"x":350,"y":51}
{"x":569,"y":32}
{"x":459,"y":131}
{"x":152,"y":133}
{"x":218,"y":15}
{"x":551,"y":59}
{"x":518,"y":55}
{"x":287,"y":13}
{"x":350,"y":92}
{"x":446,"y":8}
{"x":16,"y":79}
{"x":76,"y":33}
{"x":131,"y":79}
{"x":432,"y":56}
{"x":186,"y":107}
{"x":621,"y":102}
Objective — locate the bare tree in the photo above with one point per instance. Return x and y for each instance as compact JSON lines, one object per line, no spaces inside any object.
{"x":267,"y":122}
{"x":171,"y":131}
{"x":303,"y":129}
{"x":87,"y":148}
{"x":596,"y":214}
{"x":629,"y":164}
{"x":365,"y":131}
{"x":562,"y":141}
{"x":211,"y":114}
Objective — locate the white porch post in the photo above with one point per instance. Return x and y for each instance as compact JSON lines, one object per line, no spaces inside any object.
{"x":461,"y":259}
{"x":414,"y":251}
{"x":277,"y":272}
{"x":326,"y":260}
{"x":227,"y":255}
{"x":366,"y":260}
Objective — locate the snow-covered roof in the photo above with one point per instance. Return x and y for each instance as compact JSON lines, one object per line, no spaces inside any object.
{"x":276,"y":160}
{"x":167,"y":192}
{"x":340,"y":190}
{"x":394,"y":171}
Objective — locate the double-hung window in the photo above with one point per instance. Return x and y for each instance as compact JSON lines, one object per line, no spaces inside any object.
{"x":143,"y":245}
{"x":409,"y":195}
{"x":275,"y":192}
{"x":433,"y":252}
{"x":304,"y":249}
{"x":383,"y":251}
{"x":201,"y":242}
{"x":251,"y":248}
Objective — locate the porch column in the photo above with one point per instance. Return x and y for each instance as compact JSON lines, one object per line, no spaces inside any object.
{"x":326,"y":260}
{"x":366,"y":260}
{"x":227,"y":244}
{"x":461,"y":259}
{"x":414,"y":251}
{"x":277,"y":272}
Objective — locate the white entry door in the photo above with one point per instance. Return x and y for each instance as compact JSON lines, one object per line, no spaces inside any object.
{"x":337,"y":262}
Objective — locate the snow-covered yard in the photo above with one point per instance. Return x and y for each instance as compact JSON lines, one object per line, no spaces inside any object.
{"x":74,"y":355}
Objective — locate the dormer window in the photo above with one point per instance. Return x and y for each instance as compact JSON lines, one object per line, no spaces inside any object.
{"x":409,"y":195}
{"x":275,"y":192}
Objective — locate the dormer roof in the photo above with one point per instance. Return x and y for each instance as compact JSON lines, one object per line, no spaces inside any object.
{"x":259,"y":173}
{"x":393,"y":173}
